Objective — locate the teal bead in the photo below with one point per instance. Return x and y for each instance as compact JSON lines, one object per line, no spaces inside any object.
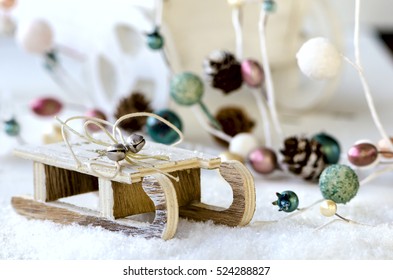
{"x":269,"y":6}
{"x":51,"y":60}
{"x":186,"y":89}
{"x":330,"y":147}
{"x":287,"y":201}
{"x":155,"y":41}
{"x":159,"y":131}
{"x":12,"y":127}
{"x":339,"y":183}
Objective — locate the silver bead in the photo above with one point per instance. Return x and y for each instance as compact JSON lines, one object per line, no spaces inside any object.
{"x":116,"y":152}
{"x":135,"y":143}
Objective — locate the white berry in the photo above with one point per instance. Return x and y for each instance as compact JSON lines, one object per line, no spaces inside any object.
{"x":319,"y":59}
{"x":35,"y":36}
{"x":242,"y":144}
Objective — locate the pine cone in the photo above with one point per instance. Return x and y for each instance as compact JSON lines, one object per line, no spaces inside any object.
{"x":233,"y":120}
{"x":135,"y":102}
{"x":223,"y":71}
{"x":304,"y":157}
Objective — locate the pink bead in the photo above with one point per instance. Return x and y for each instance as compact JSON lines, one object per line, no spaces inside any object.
{"x":363,"y":154}
{"x":95,"y":113}
{"x":46,"y":106}
{"x":252,"y":73}
{"x":263,"y":160}
{"x":35,"y":37}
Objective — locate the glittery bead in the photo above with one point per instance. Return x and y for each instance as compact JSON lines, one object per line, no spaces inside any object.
{"x":363,"y":154}
{"x":269,"y":6}
{"x":154,"y":40}
{"x":329,"y":146}
{"x":287,"y":201}
{"x":159,"y":131}
{"x":252,"y":73}
{"x":263,"y":160}
{"x":11,"y":127}
{"x":328,"y":208}
{"x":339,"y":183}
{"x":186,"y":88}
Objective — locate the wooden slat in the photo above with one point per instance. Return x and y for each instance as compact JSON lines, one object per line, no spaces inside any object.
{"x":58,"y":155}
{"x":243,"y":206}
{"x":159,"y":189}
{"x":132,"y":199}
{"x":39,"y":181}
{"x":63,"y":183}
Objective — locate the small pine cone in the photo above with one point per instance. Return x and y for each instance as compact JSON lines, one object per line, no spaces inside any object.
{"x":223,"y":71}
{"x":233,"y":120}
{"x":135,"y":102}
{"x":304,"y":157}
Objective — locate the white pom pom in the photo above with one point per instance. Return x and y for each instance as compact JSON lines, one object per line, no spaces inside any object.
{"x":319,"y":59}
{"x":242,"y":144}
{"x":35,"y":36}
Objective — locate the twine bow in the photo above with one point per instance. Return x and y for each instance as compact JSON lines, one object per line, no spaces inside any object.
{"x":116,"y":137}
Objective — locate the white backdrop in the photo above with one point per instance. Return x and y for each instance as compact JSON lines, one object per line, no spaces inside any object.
{"x":90,"y":27}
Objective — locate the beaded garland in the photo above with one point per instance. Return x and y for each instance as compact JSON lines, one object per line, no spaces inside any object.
{"x":186,"y":89}
{"x":11,"y":127}
{"x":287,"y":201}
{"x":159,"y":131}
{"x":339,"y":183}
{"x":154,"y":40}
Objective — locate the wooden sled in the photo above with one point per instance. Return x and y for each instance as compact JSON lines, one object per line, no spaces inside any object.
{"x":135,"y":190}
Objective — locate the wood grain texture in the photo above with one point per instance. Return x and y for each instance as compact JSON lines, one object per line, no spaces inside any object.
{"x":243,"y":206}
{"x":132,"y":199}
{"x":159,"y":188}
{"x":58,"y":155}
{"x":105,"y":198}
{"x":39,"y":181}
{"x":61,"y":183}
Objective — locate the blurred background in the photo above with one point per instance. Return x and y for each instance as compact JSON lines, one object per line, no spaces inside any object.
{"x":102,"y":48}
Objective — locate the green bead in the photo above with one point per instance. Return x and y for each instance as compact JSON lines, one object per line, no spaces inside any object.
{"x":155,"y":41}
{"x":330,"y":147}
{"x":186,"y":89}
{"x":11,"y":127}
{"x":159,"y":131}
{"x":269,"y":6}
{"x":287,"y":201}
{"x":51,"y":60}
{"x":339,"y":183}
